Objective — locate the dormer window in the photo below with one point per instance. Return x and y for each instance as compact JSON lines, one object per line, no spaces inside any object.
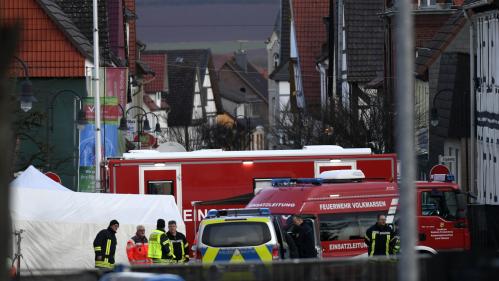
{"x":276,"y":60}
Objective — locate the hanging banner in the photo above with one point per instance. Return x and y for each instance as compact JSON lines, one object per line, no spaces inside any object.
{"x":110,"y":147}
{"x":113,"y":89}
{"x":116,"y":84}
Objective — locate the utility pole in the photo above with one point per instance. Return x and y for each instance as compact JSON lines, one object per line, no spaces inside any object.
{"x":330,"y":81}
{"x":96,"y":90}
{"x":404,"y":90}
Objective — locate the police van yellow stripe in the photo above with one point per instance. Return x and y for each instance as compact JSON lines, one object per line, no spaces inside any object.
{"x":234,"y":255}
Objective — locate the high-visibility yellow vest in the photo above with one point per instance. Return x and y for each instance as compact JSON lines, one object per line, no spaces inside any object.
{"x":154,"y":251}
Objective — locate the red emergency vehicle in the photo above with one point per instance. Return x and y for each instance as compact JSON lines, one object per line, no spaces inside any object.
{"x":216,"y":174}
{"x":343,"y":207}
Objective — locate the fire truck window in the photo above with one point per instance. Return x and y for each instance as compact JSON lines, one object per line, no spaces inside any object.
{"x":345,"y":226}
{"x":160,"y":187}
{"x":443,"y":204}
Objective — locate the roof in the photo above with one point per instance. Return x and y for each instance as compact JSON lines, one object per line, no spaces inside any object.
{"x":116,"y":28}
{"x":284,"y":31}
{"x":310,"y":35}
{"x":475,"y":3}
{"x":281,"y":73}
{"x":149,"y":102}
{"x":183,"y":66}
{"x":81,"y":14}
{"x":323,"y":150}
{"x":365,"y":39}
{"x":435,"y":47}
{"x":132,"y":47}
{"x":67,"y":26}
{"x":145,"y":68}
{"x":158,"y":63}
{"x":282,"y":28}
{"x":50,"y":44}
{"x":452,"y":102}
{"x":252,"y":77}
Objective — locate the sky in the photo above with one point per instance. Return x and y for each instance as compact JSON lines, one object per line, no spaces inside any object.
{"x":170,"y":21}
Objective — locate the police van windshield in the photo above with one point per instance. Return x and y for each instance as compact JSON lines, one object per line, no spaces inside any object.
{"x":236,"y":234}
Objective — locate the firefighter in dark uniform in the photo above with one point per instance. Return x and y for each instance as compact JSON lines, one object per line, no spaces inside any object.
{"x":160,"y":247}
{"x":105,"y":246}
{"x":380,"y":238}
{"x":179,"y":242}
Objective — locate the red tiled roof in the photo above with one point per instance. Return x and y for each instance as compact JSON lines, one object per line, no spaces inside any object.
{"x":43,"y":46}
{"x":132,"y":54}
{"x":158,"y":63}
{"x":426,"y":26}
{"x":310,"y":35}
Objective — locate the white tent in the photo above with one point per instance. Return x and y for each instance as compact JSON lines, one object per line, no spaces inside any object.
{"x":59,"y":227}
{"x":33,"y":178}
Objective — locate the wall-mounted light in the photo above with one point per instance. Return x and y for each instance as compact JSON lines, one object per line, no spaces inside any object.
{"x":247,"y":162}
{"x":159,"y":165}
{"x":434,"y":112}
{"x":335,"y":161}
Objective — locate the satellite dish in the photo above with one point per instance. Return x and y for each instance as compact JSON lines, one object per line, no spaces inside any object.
{"x":171,"y":146}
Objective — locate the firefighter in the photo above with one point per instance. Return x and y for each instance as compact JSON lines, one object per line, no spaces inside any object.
{"x":160,"y":247}
{"x":136,"y":247}
{"x":380,"y":238}
{"x":105,"y":246}
{"x":179,"y":242}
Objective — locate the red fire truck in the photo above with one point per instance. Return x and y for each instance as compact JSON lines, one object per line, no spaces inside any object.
{"x":215,"y":174}
{"x":343,"y":204}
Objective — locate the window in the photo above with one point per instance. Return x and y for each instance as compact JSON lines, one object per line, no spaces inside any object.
{"x":438,"y":203}
{"x":160,"y":187}
{"x":236,"y":234}
{"x":345,"y":226}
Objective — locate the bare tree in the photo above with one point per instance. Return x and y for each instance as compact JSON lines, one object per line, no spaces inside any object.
{"x":361,"y":128}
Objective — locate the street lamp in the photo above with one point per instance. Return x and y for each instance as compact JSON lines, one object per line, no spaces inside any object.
{"x":79,"y":119}
{"x":434,"y":112}
{"x":26,"y":98}
{"x":145,"y":127}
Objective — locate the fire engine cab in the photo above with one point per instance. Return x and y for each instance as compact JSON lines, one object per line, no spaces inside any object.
{"x":210,"y":175}
{"x":345,"y":203}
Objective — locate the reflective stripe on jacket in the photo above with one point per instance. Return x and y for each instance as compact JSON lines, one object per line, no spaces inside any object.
{"x":160,"y":248}
{"x":137,"y":250}
{"x":104,"y":248}
{"x":180,"y":246}
{"x":378,"y":240}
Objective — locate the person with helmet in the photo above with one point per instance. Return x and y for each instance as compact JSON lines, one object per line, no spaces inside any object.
{"x":105,"y":246}
{"x":380,"y":238}
{"x":179,"y":242}
{"x":160,"y":247}
{"x":136,"y":247}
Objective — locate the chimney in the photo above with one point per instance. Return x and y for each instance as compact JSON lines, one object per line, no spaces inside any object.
{"x":242,"y":59}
